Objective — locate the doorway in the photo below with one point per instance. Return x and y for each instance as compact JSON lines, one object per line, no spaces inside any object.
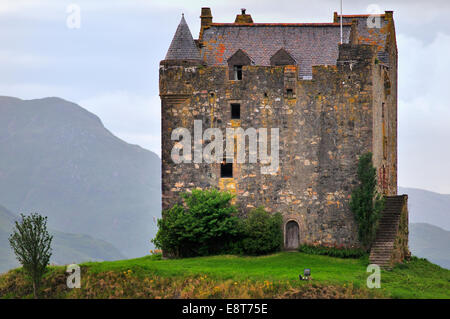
{"x":292,"y":235}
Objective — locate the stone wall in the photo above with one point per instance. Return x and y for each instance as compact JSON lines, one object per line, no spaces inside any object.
{"x":324,"y":125}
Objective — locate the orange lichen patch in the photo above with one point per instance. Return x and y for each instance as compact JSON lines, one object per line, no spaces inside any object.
{"x":220,"y":52}
{"x":228,"y":184}
{"x":235,"y":123}
{"x":290,"y":68}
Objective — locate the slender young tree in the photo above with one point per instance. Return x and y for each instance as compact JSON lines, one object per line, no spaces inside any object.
{"x":31,"y":243}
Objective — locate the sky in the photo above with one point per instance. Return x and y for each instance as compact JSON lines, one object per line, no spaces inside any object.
{"x":109,"y":63}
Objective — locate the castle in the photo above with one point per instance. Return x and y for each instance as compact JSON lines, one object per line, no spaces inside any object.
{"x":330,"y":101}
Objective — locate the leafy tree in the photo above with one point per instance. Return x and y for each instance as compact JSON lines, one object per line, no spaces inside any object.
{"x":206,"y":225}
{"x":31,"y":243}
{"x":261,"y":232}
{"x":365,"y":202}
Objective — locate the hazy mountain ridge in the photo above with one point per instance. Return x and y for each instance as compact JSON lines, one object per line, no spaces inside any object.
{"x":59,"y":160}
{"x":428,"y":207}
{"x":66,"y":248}
{"x":429,"y":225}
{"x":430,"y":242}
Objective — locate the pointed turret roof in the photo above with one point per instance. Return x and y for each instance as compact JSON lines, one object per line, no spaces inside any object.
{"x":183,"y":46}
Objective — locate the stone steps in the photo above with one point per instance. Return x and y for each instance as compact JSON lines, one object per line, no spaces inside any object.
{"x":381,"y":251}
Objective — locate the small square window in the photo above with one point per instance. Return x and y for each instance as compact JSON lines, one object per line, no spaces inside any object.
{"x":226,"y":169}
{"x":290,"y":93}
{"x":235,"y":111}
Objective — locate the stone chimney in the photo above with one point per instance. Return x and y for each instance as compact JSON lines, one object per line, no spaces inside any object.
{"x":354,"y":33}
{"x":206,"y":17}
{"x":206,"y":20}
{"x":388,"y":15}
{"x":243,"y":18}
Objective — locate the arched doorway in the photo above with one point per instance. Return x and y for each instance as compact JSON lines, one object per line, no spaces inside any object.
{"x":291,"y":235}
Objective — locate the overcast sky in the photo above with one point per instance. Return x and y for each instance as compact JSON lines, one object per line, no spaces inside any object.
{"x":110,"y":64}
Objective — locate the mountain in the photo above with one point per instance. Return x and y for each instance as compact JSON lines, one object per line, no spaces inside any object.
{"x":430,"y":242}
{"x":428,"y":207}
{"x":66,"y":248}
{"x":59,"y":160}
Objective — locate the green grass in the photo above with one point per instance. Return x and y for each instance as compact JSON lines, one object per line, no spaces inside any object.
{"x":415,"y":279}
{"x":236,"y":276}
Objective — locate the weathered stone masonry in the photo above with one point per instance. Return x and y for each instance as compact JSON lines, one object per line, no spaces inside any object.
{"x":331,"y":102}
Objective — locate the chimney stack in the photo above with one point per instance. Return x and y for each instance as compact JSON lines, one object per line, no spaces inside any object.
{"x":388,"y":15}
{"x":206,"y":17}
{"x":243,"y":18}
{"x":354,"y":33}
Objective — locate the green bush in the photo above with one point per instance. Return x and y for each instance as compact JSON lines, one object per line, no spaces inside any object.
{"x":205,"y":226}
{"x":261,"y":232}
{"x":365,"y":203}
{"x":333,"y":251}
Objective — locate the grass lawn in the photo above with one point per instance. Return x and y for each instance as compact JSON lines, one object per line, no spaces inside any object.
{"x":415,"y":279}
{"x":273,"y":276}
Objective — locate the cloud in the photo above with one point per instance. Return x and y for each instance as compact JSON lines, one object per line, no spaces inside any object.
{"x":424,"y":113}
{"x":14,"y":59}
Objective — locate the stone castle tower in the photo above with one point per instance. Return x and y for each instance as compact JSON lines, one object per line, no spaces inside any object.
{"x":331,"y":102}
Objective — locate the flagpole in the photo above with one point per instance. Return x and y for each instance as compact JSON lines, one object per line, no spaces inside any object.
{"x":341,"y":21}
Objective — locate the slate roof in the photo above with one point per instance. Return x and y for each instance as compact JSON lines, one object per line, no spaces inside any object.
{"x":309,"y":44}
{"x":374,"y":36}
{"x":183,"y":46}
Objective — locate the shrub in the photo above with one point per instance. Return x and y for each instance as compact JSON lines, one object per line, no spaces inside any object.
{"x":261,"y":232}
{"x":365,"y":203}
{"x":205,"y":226}
{"x":333,"y":251}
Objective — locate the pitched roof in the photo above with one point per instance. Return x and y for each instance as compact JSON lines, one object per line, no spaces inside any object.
{"x":308,"y":43}
{"x":183,"y":46}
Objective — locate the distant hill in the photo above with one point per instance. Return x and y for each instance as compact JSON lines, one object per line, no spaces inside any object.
{"x":59,"y":160}
{"x":430,"y":242}
{"x":428,"y":207}
{"x":67,"y":248}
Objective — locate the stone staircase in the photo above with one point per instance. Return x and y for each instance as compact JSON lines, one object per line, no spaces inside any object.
{"x":383,"y":247}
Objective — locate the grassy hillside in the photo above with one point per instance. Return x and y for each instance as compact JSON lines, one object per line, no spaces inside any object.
{"x":67,"y":248}
{"x":274,"y":276}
